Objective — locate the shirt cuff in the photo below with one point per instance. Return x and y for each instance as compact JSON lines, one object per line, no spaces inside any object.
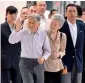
{"x":45,"y":57}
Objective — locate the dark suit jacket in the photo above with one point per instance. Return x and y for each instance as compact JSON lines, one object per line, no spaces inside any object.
{"x":10,"y":54}
{"x":74,"y":53}
{"x":80,"y":21}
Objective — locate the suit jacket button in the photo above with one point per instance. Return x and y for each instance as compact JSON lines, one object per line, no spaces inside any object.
{"x":73,"y":56}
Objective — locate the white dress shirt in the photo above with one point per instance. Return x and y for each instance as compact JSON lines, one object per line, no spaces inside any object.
{"x":73,"y":31}
{"x":45,"y":23}
{"x":11,"y":28}
{"x":32,"y":45}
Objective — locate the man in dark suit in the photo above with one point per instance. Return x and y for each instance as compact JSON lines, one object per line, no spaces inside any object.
{"x":74,"y":48}
{"x":80,"y":20}
{"x":10,"y":54}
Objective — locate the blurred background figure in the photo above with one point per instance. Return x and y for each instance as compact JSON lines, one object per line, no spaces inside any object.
{"x":23,"y":14}
{"x":79,"y":13}
{"x":52,"y":12}
{"x":40,"y":7}
{"x":31,"y":10}
{"x":83,"y":14}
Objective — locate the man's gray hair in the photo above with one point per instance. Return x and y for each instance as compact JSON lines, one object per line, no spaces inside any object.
{"x":36,"y":16}
{"x":60,"y":18}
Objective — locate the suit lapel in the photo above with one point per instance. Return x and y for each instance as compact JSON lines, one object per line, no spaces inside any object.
{"x":69,"y":33}
{"x":8,"y":31}
{"x":78,"y":31}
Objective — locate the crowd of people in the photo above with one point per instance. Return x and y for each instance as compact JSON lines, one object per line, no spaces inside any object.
{"x":36,"y":49}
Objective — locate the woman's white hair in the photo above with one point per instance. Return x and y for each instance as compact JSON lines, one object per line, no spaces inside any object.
{"x":58,"y":17}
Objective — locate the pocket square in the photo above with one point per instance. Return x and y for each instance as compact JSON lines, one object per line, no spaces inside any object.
{"x":80,"y":31}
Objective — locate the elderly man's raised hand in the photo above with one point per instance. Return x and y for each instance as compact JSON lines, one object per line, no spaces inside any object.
{"x":18,"y":25}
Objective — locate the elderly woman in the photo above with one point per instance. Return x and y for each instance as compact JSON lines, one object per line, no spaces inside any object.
{"x":54,"y":65}
{"x":35,"y":49}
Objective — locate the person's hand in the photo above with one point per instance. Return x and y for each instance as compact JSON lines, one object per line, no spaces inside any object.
{"x":18,"y":25}
{"x":41,"y":60}
{"x":65,"y":70}
{"x":55,"y":55}
{"x":58,"y":55}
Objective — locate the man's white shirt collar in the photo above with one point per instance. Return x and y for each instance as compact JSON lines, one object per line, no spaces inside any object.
{"x":70,"y":24}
